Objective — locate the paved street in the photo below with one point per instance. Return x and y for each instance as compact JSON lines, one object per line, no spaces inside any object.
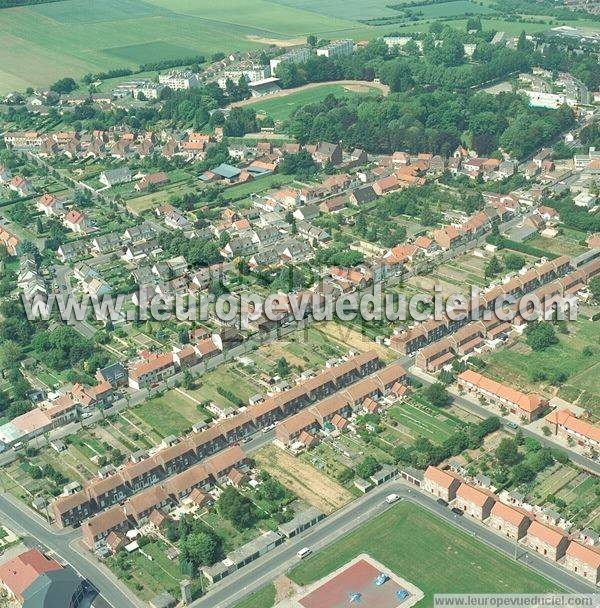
{"x":65,"y":544}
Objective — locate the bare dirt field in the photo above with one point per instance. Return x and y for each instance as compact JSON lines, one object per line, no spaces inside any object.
{"x":352,"y":339}
{"x":306,"y":482}
{"x":281,"y":42}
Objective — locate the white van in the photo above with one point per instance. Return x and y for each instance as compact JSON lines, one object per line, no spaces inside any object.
{"x":391,"y":498}
{"x":305,"y":552}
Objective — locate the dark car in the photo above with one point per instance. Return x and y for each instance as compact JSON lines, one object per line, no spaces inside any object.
{"x":456,"y":511}
{"x":442,"y":502}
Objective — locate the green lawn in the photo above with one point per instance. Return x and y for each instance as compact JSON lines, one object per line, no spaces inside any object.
{"x":257,"y":185}
{"x":280,"y":108}
{"x":429,"y":553}
{"x":263,"y":598}
{"x":226,"y":376}
{"x":422,"y":421}
{"x":161,"y":414}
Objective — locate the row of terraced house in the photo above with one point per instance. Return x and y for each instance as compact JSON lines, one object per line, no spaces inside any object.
{"x":183,"y":456}
{"x":439,"y":341}
{"x":514,"y":523}
{"x":430,"y":331}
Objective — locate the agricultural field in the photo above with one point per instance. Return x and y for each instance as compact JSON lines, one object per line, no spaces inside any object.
{"x":280,"y":106}
{"x":517,"y":363}
{"x":406,"y":537}
{"x":126,"y":33}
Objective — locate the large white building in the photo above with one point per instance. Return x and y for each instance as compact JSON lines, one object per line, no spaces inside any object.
{"x":252,"y":72}
{"x":552,"y":101}
{"x":300,"y":55}
{"x":338,"y":48}
{"x":179,"y":81}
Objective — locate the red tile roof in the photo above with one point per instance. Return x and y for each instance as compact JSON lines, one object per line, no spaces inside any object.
{"x":20,"y":572}
{"x":584,"y":554}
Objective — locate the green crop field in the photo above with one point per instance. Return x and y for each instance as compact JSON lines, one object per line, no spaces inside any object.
{"x":429,"y":553}
{"x":151,"y":51}
{"x":41,"y":43}
{"x":279,"y":108}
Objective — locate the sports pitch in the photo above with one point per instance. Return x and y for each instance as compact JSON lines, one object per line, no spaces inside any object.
{"x":279,"y":108}
{"x":429,"y":553}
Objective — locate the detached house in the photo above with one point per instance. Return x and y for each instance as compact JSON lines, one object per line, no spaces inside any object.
{"x":50,"y":205}
{"x":114,"y":177}
{"x":328,"y":153}
{"x":21,"y":185}
{"x":76,"y":221}
{"x":152,"y":180}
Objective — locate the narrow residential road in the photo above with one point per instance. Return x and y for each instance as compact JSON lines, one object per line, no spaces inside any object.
{"x":65,"y":544}
{"x":252,"y":577}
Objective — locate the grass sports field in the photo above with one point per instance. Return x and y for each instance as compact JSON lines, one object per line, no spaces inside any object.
{"x":44,"y":42}
{"x":427,"y":552}
{"x":264,"y":598}
{"x":280,"y":107}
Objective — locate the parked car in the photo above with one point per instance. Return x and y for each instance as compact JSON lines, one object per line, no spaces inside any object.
{"x":457,"y":511}
{"x":304,"y":552}
{"x":391,"y":498}
{"x":442,"y":502}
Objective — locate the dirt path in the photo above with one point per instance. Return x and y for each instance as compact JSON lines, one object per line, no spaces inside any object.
{"x":352,"y":85}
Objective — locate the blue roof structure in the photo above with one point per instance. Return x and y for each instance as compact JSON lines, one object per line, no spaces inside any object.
{"x":226,"y":171}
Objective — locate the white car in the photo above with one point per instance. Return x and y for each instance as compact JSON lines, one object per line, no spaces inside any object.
{"x":392,"y":498}
{"x":304,"y":552}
